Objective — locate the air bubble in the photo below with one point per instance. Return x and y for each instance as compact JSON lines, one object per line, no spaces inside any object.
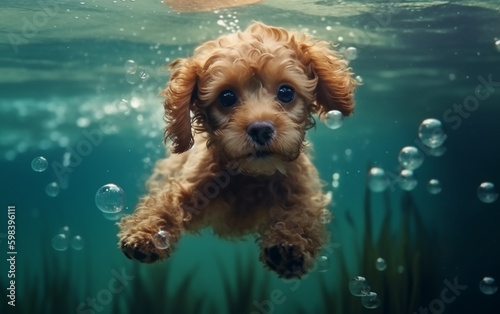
{"x":39,"y":164}
{"x":358,"y":286}
{"x":161,"y":240}
{"x":322,"y":264}
{"x":434,"y":186}
{"x":77,"y":243}
{"x":377,"y":180}
{"x":52,"y":189}
{"x":110,"y":198}
{"x":488,"y":286}
{"x":486,"y":192}
{"x":60,"y":242}
{"x":380,"y":264}
{"x":431,"y":133}
{"x":407,"y":180}
{"x":410,"y":158}
{"x":334,"y":119}
{"x":371,"y":300}
{"x":65,"y":230}
{"x":497,"y":45}
{"x":351,"y":53}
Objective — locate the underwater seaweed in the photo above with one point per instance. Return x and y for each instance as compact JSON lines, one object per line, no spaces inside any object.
{"x":48,"y":293}
{"x":246,"y":288}
{"x":399,"y":289}
{"x":151,"y":292}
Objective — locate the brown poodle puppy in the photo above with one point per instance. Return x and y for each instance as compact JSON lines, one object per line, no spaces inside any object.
{"x":237,"y":113}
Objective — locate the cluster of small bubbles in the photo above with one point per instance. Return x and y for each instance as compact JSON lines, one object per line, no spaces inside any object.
{"x":325,"y":216}
{"x":110,"y":198}
{"x":60,"y":242}
{"x":434,"y":186}
{"x":77,"y":243}
{"x":377,"y":180}
{"x":486,"y":192}
{"x":52,"y":189}
{"x":351,"y":53}
{"x":371,"y":300}
{"x":431,"y":133}
{"x":358,"y":286}
{"x":410,"y":158}
{"x":39,"y":164}
{"x":161,"y":240}
{"x":359,"y":79}
{"x":335,"y":182}
{"x":406,"y":180}
{"x":225,"y":21}
{"x":322,"y":264}
{"x":334,"y":119}
{"x":380,"y":264}
{"x":487,"y":286}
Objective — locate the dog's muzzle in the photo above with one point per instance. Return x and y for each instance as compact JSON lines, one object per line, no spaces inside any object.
{"x":261,"y":132}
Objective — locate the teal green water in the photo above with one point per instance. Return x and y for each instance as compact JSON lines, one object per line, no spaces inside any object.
{"x":64,"y":77}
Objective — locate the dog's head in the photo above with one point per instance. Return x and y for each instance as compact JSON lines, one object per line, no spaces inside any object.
{"x":253,"y":93}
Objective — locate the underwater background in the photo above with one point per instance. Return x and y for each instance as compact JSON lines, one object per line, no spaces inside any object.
{"x":79,"y":83}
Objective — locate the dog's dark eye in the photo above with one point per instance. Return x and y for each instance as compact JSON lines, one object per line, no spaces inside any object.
{"x":286,"y":94}
{"x":227,"y":99}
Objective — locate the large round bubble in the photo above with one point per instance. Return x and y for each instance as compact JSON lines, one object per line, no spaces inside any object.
{"x":322,"y":263}
{"x":60,"y":242}
{"x":377,"y":180}
{"x":334,"y":119}
{"x":380,"y":264}
{"x":52,"y":189}
{"x":370,"y":300}
{"x":161,"y":240}
{"x":488,"y":286}
{"x":77,"y":243}
{"x":110,"y":198}
{"x":410,"y":158}
{"x":434,"y":186}
{"x":407,"y":180}
{"x":358,"y":286}
{"x":431,"y":133}
{"x":39,"y":164}
{"x":486,"y":192}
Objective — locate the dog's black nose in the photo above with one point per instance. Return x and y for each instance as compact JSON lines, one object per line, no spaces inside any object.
{"x":261,"y":132}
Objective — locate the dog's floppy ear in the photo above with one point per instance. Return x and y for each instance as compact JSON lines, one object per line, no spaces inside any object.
{"x":179,"y":97}
{"x":335,"y":87}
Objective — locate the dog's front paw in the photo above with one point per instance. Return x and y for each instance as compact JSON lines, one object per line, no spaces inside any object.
{"x":142,"y":248}
{"x":285,"y":259}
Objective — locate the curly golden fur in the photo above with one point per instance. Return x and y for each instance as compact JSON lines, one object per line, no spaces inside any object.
{"x":246,"y":100}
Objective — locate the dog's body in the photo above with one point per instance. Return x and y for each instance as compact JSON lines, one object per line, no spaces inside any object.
{"x":252,"y":96}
